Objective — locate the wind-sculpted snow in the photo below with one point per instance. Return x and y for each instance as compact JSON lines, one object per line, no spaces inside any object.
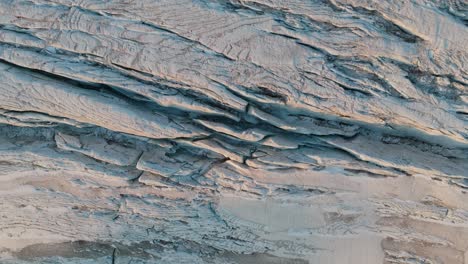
{"x":225,"y":131}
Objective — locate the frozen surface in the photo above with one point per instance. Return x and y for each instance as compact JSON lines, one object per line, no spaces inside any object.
{"x":228,"y":131}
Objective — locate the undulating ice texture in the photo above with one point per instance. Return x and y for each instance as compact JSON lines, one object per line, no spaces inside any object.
{"x":234,"y":131}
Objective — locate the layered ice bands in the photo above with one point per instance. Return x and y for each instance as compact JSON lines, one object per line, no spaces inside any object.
{"x":226,"y":131}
